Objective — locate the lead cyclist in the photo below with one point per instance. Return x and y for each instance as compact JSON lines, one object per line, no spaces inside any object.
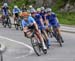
{"x":29,"y":21}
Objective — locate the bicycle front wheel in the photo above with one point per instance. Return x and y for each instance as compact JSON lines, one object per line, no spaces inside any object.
{"x":36,"y":46}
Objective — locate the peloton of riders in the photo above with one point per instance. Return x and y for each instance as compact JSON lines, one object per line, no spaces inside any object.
{"x":41,"y":19}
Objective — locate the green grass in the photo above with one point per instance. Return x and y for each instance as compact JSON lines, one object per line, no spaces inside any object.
{"x":66,"y":18}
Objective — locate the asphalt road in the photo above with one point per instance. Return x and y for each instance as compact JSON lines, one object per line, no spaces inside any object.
{"x":18,"y":48}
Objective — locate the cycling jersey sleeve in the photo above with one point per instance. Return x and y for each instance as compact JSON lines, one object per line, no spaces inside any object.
{"x":19,"y":10}
{"x":31,"y":19}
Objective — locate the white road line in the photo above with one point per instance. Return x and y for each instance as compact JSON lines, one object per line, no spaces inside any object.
{"x":31,"y":49}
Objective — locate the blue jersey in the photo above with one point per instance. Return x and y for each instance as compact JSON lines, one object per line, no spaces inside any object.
{"x":16,"y":10}
{"x":43,"y":15}
{"x":27,"y":23}
{"x":5,"y":10}
{"x":37,"y":19}
{"x":52,"y":18}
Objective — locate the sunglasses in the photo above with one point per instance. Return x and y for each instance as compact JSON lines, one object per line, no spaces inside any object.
{"x":25,"y":17}
{"x":49,"y":12}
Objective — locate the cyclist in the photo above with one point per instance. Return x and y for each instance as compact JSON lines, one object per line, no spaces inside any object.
{"x":28,"y":23}
{"x":16,"y":12}
{"x":53,"y":21}
{"x":40,"y":24}
{"x":41,"y":11}
{"x":5,"y":13}
{"x":43,"y":14}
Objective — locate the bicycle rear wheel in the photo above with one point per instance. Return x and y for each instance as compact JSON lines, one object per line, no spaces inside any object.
{"x":9,"y":23}
{"x":4,"y":22}
{"x":57,"y":37}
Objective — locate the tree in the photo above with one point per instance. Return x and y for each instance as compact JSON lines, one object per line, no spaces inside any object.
{"x":45,"y":3}
{"x":1,"y":1}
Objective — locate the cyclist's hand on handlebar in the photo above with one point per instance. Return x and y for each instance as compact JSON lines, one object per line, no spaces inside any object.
{"x":29,"y":25}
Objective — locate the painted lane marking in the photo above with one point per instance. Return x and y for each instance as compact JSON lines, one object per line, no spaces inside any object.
{"x":31,"y":49}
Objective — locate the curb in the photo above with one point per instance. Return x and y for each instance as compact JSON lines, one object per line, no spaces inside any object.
{"x":67,"y":31}
{"x":73,"y":26}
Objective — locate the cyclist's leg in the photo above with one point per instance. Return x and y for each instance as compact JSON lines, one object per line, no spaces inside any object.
{"x":38,"y":33}
{"x":45,"y":34}
{"x":57,"y":29}
{"x":16,"y":21}
{"x":27,"y":34}
{"x":49,"y":30}
{"x":2,"y":19}
{"x":7,"y":20}
{"x":59,"y":33}
{"x":48,"y":39}
{"x":14,"y":18}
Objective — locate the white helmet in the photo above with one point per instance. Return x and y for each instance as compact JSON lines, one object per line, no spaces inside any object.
{"x":48,"y":10}
{"x":38,"y":9}
{"x":15,"y":6}
{"x":30,"y":6}
{"x":5,"y":5}
{"x":42,"y":8}
{"x":33,"y":11}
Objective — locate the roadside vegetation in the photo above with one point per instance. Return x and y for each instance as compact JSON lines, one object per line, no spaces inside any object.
{"x":64,"y":17}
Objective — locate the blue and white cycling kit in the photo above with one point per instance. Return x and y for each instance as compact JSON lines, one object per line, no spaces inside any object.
{"x":43,"y":15}
{"x":53,"y":20}
{"x":16,"y":10}
{"x":37,"y":19}
{"x":41,"y":26}
{"x":5,"y":11}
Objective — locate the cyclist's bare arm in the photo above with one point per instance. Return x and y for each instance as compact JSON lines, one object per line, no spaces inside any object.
{"x":25,"y":29}
{"x":46,"y":21}
{"x":35,"y":25}
{"x":13,"y":15}
{"x":41,"y":20}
